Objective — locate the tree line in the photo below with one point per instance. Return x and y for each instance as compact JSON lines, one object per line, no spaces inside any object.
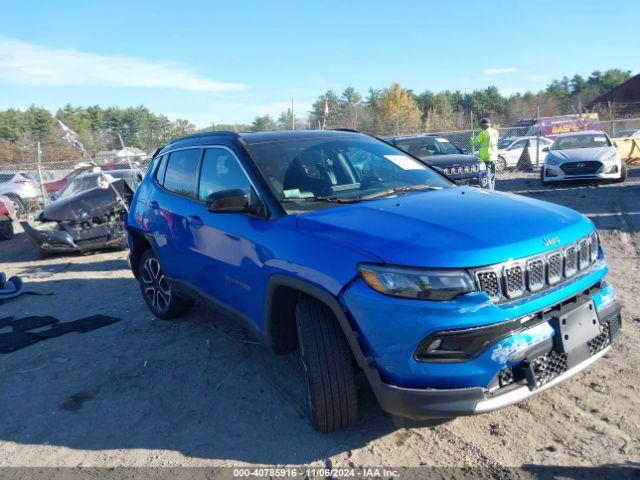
{"x":389,"y":111}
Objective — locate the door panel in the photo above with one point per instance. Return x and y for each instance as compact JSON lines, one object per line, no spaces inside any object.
{"x":229,"y":258}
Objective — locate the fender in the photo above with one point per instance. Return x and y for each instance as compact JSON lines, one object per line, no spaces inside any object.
{"x":273,"y":329}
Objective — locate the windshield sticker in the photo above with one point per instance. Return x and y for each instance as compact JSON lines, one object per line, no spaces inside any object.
{"x":600,"y":139}
{"x":442,"y":140}
{"x":405,"y":162}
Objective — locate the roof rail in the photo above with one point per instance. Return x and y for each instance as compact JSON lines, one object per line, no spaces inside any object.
{"x":346,"y":130}
{"x":214,"y":133}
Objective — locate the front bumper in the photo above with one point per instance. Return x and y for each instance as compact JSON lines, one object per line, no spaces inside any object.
{"x":554,"y":173}
{"x":422,"y":404}
{"x":68,"y":240}
{"x":478,"y":179}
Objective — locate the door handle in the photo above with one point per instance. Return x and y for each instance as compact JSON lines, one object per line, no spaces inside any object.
{"x":154,"y":205}
{"x":195,"y":221}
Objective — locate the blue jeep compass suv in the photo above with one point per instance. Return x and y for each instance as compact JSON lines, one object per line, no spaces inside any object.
{"x":451,"y":300}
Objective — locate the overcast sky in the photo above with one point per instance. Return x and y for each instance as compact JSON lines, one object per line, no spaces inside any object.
{"x":224,"y":62}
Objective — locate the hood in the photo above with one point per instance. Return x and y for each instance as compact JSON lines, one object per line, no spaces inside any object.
{"x":582,"y":154}
{"x":453,"y":227}
{"x":450,"y":160}
{"x":86,"y":205}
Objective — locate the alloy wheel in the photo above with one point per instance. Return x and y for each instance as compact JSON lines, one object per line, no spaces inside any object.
{"x":155,"y":285}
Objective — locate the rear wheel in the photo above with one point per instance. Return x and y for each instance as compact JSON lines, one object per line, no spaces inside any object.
{"x":6,"y":229}
{"x":328,"y":364}
{"x":156,"y":291}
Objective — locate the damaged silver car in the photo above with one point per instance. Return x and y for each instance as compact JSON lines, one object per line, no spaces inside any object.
{"x":88,"y":214}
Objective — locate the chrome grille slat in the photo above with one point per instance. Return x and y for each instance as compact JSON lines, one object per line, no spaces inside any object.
{"x":570,"y":261}
{"x":515,"y":279}
{"x":584,"y":257}
{"x":535,"y":274}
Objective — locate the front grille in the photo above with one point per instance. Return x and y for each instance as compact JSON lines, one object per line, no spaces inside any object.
{"x":580,"y":168}
{"x":535,"y":274}
{"x":548,"y":367}
{"x":599,"y":342}
{"x":555,"y":262}
{"x":512,"y":280}
{"x":490,"y":283}
{"x":460,"y":170}
{"x":570,"y":261}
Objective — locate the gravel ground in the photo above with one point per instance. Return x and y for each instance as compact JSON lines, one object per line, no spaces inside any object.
{"x":200,"y":391}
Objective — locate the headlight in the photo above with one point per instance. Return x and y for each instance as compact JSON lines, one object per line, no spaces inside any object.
{"x":482,"y":166}
{"x":552,"y":160}
{"x":610,"y":156}
{"x":420,"y":284}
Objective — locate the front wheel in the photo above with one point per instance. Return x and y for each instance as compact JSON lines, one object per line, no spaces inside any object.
{"x":501,"y":164}
{"x":542,"y":180}
{"x":623,"y":172}
{"x":156,"y":291}
{"x":328,"y":365}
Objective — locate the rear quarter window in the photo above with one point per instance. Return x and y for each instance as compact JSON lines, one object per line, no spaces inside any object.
{"x":181,"y":172}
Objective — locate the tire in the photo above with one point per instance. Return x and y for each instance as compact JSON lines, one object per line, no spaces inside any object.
{"x":328,"y":365}
{"x":19,"y":204}
{"x":623,"y":172}
{"x":542,"y":180}
{"x":156,"y":290}
{"x":501,"y":164}
{"x":6,"y":229}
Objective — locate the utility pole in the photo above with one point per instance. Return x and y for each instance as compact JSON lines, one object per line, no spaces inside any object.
{"x":293,"y":117}
{"x":126,"y":155}
{"x":42,"y":189}
{"x":473,"y":133}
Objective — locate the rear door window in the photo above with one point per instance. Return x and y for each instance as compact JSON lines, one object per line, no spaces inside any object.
{"x":181,"y":173}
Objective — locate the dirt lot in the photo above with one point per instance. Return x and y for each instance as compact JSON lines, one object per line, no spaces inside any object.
{"x":144,"y":392}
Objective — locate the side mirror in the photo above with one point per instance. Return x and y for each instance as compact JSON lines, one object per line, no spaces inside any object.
{"x":546,"y":149}
{"x":230,"y":201}
{"x":615,"y":144}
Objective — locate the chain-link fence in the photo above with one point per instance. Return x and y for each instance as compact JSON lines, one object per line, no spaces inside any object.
{"x":523,"y":146}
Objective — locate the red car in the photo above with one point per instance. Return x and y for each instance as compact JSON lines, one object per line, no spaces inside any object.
{"x":53,"y":187}
{"x":7,"y":214}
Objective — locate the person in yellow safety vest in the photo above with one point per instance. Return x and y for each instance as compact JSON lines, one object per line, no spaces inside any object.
{"x":487,"y":144}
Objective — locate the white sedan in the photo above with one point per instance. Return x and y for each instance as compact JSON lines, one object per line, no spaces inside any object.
{"x":510,"y":150}
{"x":587,"y":155}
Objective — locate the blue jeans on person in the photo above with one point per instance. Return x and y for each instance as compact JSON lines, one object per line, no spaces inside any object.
{"x":491,"y":175}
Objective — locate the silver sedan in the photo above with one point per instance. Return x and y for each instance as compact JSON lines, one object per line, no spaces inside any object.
{"x":587,"y":155}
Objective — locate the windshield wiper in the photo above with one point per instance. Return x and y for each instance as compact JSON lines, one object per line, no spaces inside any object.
{"x":391,"y":191}
{"x":323,"y":199}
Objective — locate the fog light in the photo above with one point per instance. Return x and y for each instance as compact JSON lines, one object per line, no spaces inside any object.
{"x":612,"y":169}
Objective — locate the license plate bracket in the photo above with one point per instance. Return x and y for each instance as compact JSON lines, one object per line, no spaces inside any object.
{"x":576,"y":327}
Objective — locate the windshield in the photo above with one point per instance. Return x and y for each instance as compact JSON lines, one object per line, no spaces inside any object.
{"x":338,"y":169}
{"x":504,"y":143}
{"x":426,"y":146}
{"x":581,"y":141}
{"x":627,"y":133}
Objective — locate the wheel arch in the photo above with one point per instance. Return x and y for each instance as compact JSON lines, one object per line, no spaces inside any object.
{"x":138,"y":244}
{"x":281,"y":297}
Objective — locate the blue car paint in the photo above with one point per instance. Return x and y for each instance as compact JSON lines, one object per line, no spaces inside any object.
{"x":232,"y":257}
{"x":393,"y":327}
